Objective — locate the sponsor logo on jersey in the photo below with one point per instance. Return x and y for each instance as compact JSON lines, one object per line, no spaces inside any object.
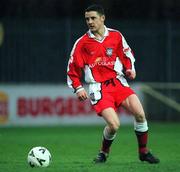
{"x":101,"y":61}
{"x":109,"y":51}
{"x":98,"y":59}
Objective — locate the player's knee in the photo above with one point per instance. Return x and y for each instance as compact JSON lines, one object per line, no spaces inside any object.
{"x":114,"y":127}
{"x":140,"y":117}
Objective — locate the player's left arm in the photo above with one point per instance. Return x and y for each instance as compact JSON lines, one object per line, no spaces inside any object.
{"x":131,"y":74}
{"x":128,"y":59}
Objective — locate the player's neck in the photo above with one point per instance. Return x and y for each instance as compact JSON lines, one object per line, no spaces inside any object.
{"x":99,"y":34}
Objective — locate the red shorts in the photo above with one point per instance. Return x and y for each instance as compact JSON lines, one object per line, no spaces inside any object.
{"x":110,"y":93}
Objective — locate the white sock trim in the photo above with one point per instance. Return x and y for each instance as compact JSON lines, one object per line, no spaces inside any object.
{"x":140,"y":126}
{"x":108,"y":136}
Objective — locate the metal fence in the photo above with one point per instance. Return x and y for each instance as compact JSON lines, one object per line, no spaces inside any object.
{"x":37,"y":50}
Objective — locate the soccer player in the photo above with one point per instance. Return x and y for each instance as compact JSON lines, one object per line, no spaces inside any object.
{"x":106,"y":58}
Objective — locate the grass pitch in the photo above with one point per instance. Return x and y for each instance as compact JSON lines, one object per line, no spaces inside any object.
{"x":73,"y":149}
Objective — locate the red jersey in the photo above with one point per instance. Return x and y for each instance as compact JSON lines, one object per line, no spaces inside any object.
{"x":100,"y":60}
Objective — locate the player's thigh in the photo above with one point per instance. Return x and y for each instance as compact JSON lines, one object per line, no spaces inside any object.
{"x":111,"y":118}
{"x":133,"y":105}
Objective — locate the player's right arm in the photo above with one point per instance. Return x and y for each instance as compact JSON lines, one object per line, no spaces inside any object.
{"x":74,"y":71}
{"x":74,"y":74}
{"x":82,"y":95}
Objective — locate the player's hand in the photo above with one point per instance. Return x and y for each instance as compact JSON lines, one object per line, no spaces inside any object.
{"x":82,"y":95}
{"x":131,"y":74}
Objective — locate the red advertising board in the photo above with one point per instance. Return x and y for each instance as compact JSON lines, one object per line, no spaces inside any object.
{"x":26,"y":105}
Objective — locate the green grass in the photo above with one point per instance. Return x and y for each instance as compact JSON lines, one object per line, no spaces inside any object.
{"x":73,"y":149}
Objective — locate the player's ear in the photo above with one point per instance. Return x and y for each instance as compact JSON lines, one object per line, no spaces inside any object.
{"x":103,"y":17}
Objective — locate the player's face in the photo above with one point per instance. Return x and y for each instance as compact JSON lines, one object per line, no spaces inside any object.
{"x":94,"y":20}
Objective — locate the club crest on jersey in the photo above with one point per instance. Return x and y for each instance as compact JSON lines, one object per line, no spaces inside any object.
{"x":109,"y":51}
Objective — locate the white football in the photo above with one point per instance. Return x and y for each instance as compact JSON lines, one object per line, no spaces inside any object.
{"x":39,"y":157}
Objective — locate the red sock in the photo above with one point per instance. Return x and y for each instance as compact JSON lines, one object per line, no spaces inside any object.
{"x":142,"y":138}
{"x":106,"y":145}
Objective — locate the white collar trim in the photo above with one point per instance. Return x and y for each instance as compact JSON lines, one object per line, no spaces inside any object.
{"x":106,"y":33}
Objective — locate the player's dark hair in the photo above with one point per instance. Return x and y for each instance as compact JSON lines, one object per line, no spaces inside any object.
{"x":95,"y":7}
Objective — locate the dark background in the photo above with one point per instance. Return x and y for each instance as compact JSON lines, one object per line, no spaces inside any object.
{"x":36,"y":37}
{"x":129,"y":9}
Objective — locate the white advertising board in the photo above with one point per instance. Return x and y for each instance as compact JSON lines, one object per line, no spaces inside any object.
{"x":34,"y":105}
